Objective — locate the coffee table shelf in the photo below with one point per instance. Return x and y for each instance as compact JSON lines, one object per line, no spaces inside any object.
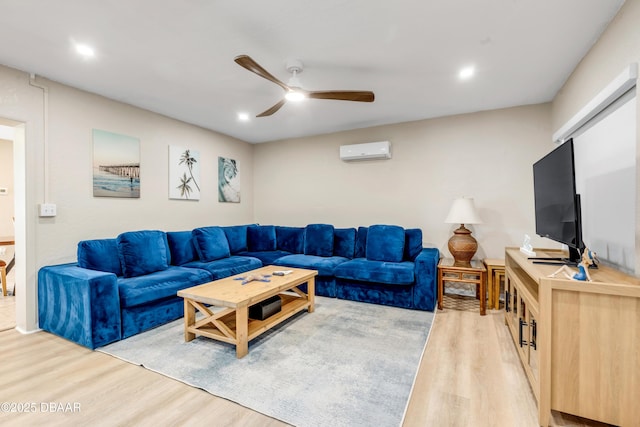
{"x":291,"y":305}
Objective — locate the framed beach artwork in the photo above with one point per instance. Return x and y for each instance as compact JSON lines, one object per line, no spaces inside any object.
{"x":116,"y":165}
{"x":228,"y":180}
{"x":184,"y":173}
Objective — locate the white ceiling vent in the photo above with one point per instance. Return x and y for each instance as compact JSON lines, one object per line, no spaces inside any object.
{"x":367,"y":151}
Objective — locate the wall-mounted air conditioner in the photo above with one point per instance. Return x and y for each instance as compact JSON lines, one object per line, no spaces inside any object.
{"x":367,"y":151}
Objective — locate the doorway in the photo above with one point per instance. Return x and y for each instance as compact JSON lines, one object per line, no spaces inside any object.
{"x":12,"y":217}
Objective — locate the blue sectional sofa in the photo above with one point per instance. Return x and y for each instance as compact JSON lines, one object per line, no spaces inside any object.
{"x":120,"y":287}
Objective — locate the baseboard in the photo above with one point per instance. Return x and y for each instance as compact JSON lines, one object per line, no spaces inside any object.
{"x":23,"y":332}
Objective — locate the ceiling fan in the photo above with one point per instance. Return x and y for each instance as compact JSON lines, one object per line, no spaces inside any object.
{"x":294,"y":91}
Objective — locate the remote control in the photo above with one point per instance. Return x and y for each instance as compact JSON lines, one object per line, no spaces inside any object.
{"x":282,"y":272}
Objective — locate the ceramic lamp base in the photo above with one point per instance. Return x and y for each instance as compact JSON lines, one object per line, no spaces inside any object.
{"x":462,"y":246}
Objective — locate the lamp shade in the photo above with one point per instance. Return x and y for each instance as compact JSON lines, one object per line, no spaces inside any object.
{"x":463,"y":211}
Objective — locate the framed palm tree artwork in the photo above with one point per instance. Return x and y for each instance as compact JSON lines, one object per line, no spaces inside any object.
{"x":184,"y":173}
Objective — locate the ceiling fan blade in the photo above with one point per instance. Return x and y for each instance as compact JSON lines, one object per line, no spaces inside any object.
{"x":273,"y":109}
{"x":342,"y":95}
{"x":251,"y":65}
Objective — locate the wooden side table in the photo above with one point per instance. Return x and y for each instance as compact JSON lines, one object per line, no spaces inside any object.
{"x":495,"y":273}
{"x":475,"y":274}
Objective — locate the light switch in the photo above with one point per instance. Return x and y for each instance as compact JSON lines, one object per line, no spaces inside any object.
{"x":47,"y":209}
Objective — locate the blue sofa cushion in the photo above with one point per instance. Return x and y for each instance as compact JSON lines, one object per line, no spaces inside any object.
{"x":267,"y":257}
{"x":100,"y":255}
{"x":361,"y":269}
{"x":385,"y":243}
{"x":226,"y":267}
{"x":261,"y":238}
{"x":181,"y":247}
{"x":143,"y":252}
{"x":344,"y":242}
{"x":361,"y":243}
{"x":318,"y":240}
{"x":412,"y":243}
{"x":159,"y":285}
{"x":210,"y":243}
{"x":290,"y":239}
{"x":237,"y":237}
{"x":324,"y":265}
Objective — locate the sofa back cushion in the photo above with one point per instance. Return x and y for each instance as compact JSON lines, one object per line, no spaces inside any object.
{"x":210,"y":243}
{"x":237,"y":238}
{"x":181,"y":247}
{"x":318,"y":240}
{"x":412,"y":243}
{"x":290,"y":239}
{"x":344,"y":242}
{"x":385,"y":243}
{"x":361,"y":242}
{"x":143,"y":252}
{"x":101,"y":255}
{"x":261,"y":238}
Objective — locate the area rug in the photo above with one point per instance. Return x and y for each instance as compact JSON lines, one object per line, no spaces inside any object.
{"x":346,"y":364}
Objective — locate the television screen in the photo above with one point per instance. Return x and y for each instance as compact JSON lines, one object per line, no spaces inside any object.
{"x":556,"y":203}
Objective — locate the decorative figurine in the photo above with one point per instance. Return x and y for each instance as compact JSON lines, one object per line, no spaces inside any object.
{"x":526,"y":247}
{"x":252,"y":277}
{"x":588,"y":258}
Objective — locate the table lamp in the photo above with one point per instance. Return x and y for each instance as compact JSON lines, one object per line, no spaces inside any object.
{"x":462,"y":245}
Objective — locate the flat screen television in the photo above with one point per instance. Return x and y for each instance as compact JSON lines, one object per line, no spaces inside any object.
{"x":557,"y":205}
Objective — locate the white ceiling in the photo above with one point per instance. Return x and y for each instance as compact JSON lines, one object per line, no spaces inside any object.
{"x":175,"y":57}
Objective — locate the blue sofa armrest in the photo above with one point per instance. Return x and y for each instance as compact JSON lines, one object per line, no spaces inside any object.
{"x":79,"y":304}
{"x":425,"y":293}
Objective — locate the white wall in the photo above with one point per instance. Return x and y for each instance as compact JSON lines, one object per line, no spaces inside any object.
{"x":81,"y":216}
{"x":487,"y":156}
{"x":605,"y":159}
{"x":72,"y":116}
{"x":611,"y":54}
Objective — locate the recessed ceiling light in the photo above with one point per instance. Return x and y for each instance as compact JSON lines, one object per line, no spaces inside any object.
{"x":85,"y":51}
{"x":466,"y":73}
{"x":243,"y":117}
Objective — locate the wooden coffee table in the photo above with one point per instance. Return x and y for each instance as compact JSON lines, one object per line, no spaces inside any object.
{"x":232,"y":324}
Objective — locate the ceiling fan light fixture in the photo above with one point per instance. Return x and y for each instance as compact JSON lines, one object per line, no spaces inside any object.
{"x":295,"y":95}
{"x":294,"y":91}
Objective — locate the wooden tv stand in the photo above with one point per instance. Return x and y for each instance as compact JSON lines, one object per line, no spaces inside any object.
{"x":579,"y":342}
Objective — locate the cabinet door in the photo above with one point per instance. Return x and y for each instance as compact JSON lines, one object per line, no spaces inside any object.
{"x":515,"y":304}
{"x":508,"y":291}
{"x":533,"y":345}
{"x":527,"y":342}
{"x":523,"y":330}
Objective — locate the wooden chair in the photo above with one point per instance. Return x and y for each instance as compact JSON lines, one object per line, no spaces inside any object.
{"x":3,"y":274}
{"x":7,"y":260}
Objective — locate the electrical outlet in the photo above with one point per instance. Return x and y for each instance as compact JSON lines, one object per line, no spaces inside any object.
{"x":47,"y":209}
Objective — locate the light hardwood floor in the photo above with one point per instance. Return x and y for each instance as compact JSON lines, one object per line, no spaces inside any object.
{"x":469,"y":376}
